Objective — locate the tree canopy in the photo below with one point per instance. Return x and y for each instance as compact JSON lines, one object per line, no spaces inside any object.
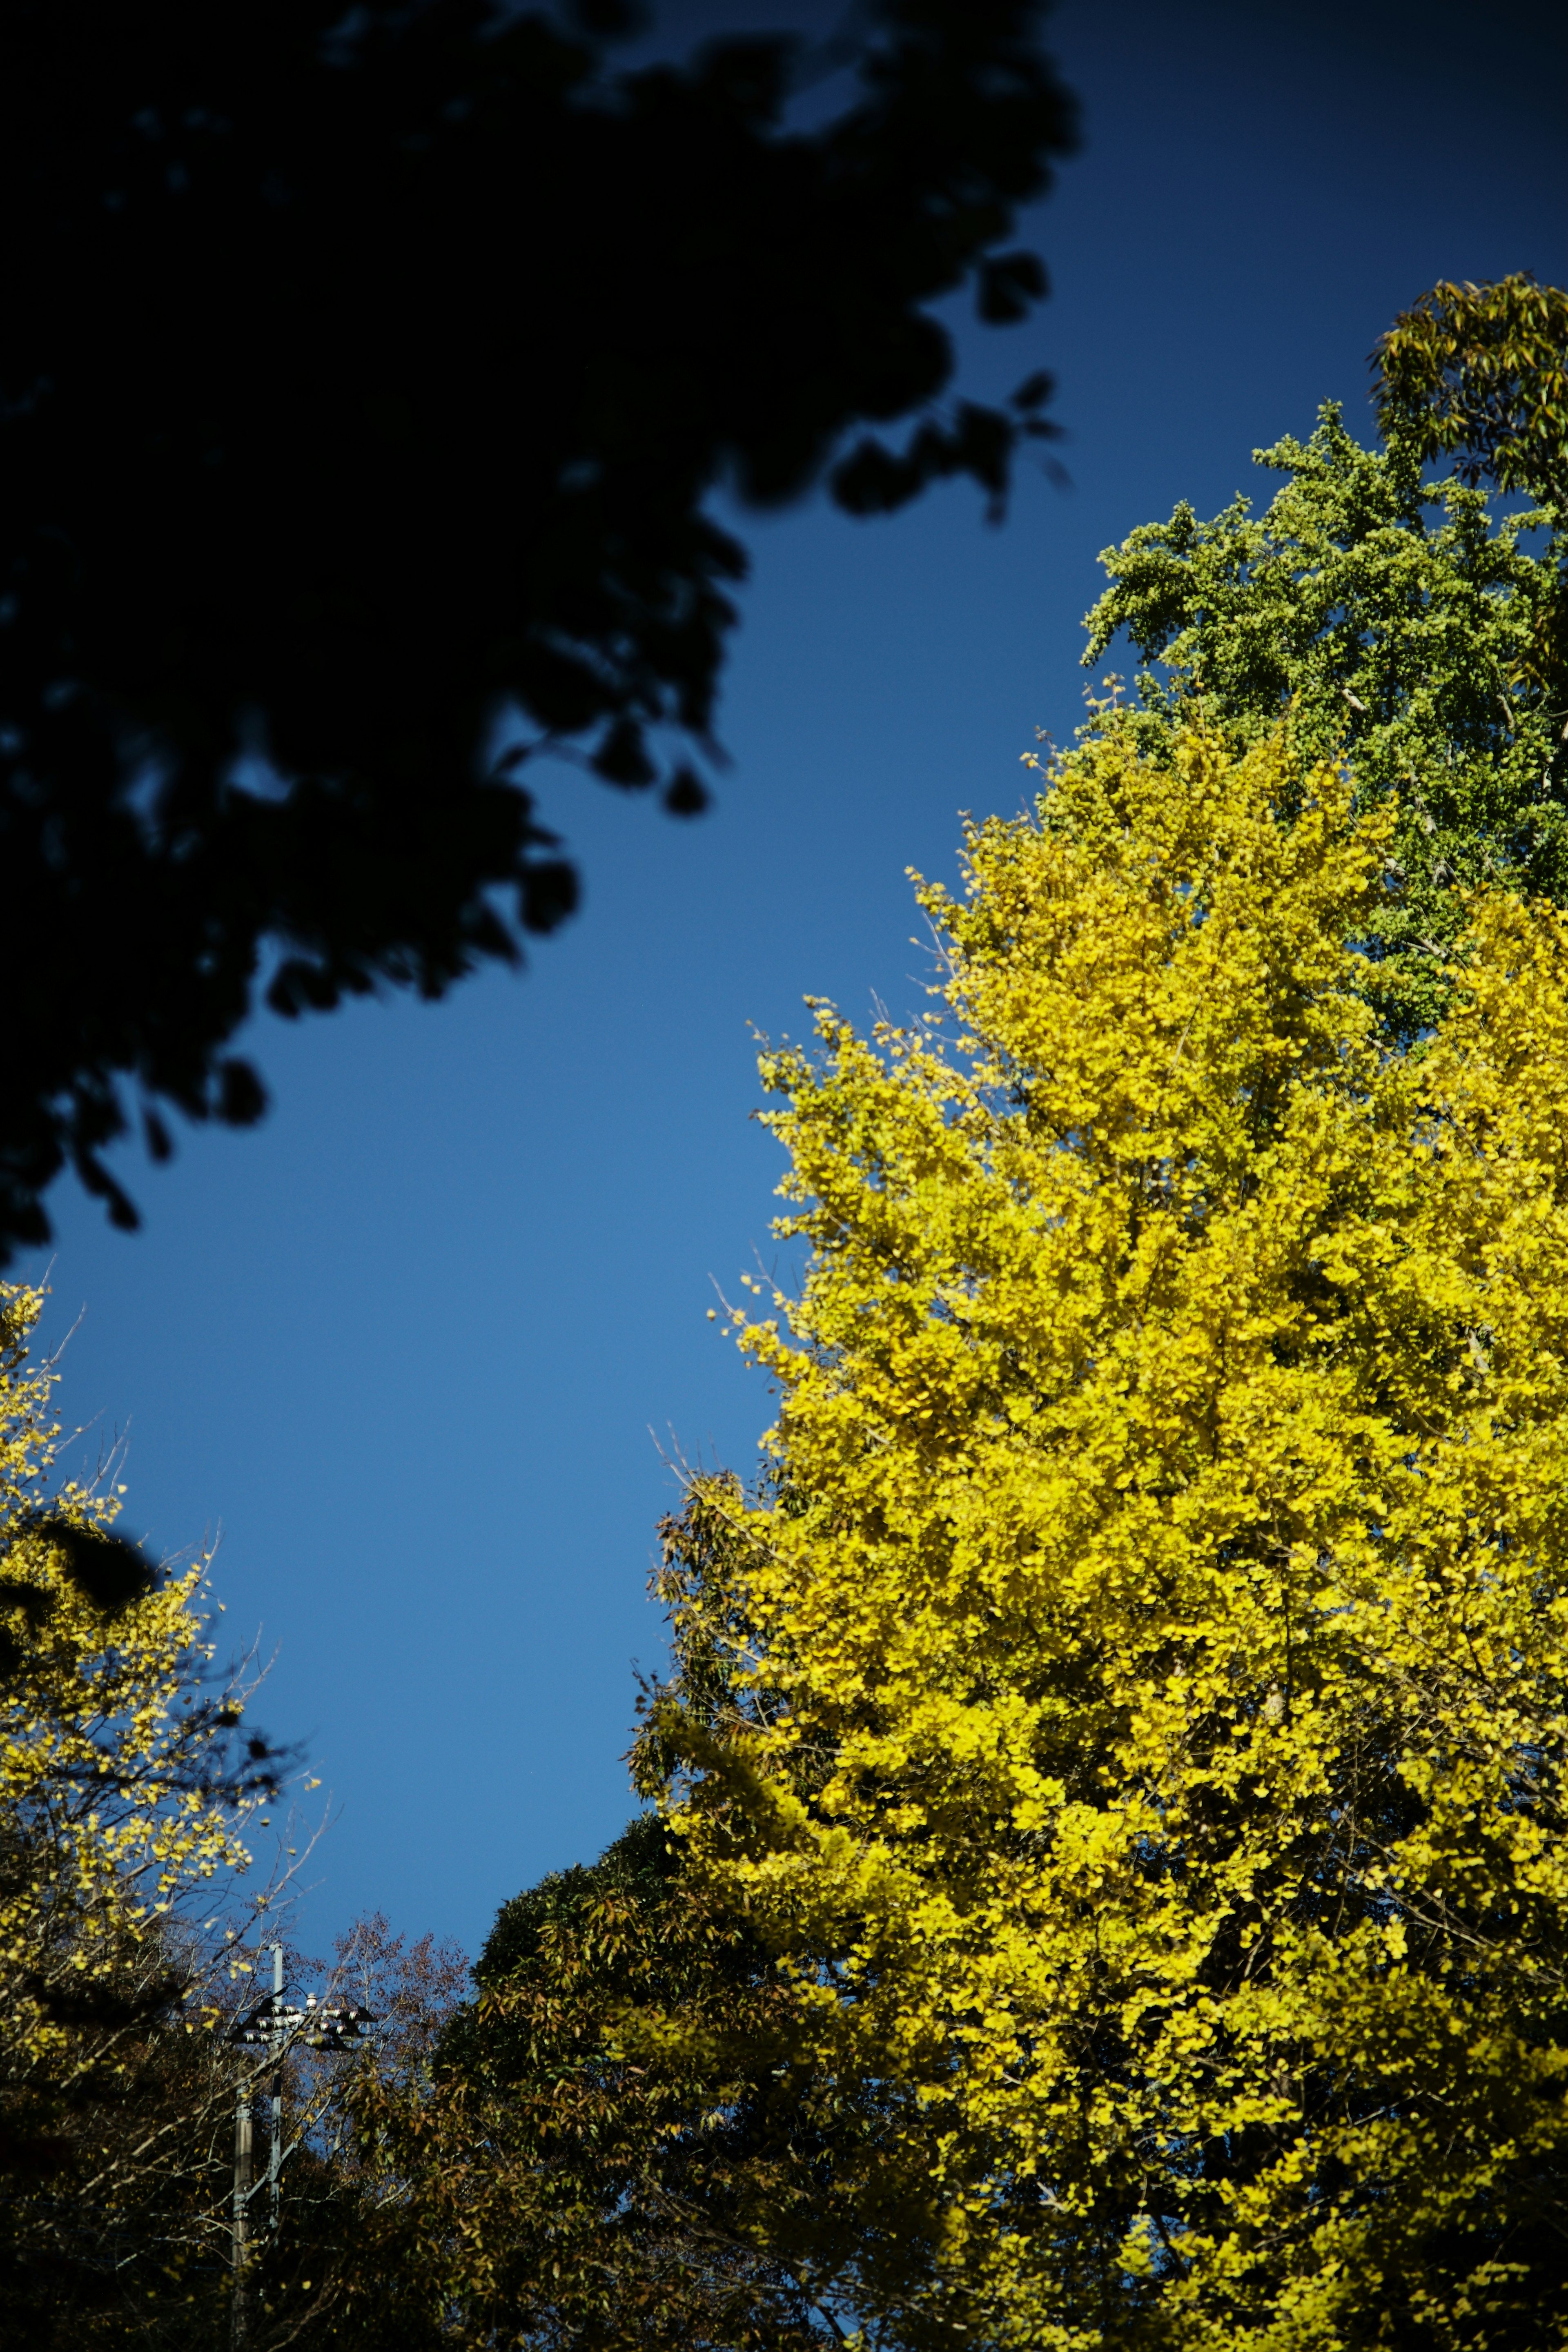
{"x":1134,"y":1709}
{"x":573,"y":2174}
{"x":366,"y":375}
{"x":1400,"y":618}
{"x":126,"y":1787}
{"x":1107,"y":1888}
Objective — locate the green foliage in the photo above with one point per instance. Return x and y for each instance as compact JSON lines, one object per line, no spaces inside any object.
{"x":609,"y":2132}
{"x":1406,"y":628}
{"x":1480,"y":372}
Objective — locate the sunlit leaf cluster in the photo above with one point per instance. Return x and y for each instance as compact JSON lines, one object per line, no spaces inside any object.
{"x":105,"y":1774}
{"x":126,"y":1783}
{"x":1135,"y":1718}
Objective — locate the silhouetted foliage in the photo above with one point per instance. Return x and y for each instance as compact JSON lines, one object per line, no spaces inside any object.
{"x":114,"y":2158}
{"x":365,"y":377}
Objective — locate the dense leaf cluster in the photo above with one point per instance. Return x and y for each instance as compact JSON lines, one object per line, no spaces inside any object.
{"x":1147,"y":1747}
{"x":1480,"y":372}
{"x":1404,"y":628}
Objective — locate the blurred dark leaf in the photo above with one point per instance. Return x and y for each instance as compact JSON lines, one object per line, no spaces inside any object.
{"x":365,"y":377}
{"x":686,"y":794}
{"x":110,"y":1572}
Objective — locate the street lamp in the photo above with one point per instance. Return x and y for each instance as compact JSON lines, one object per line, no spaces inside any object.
{"x":330,"y":2029}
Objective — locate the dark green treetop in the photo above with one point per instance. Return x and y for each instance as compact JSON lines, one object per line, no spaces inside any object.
{"x":1400,"y":621}
{"x":1481,"y":373}
{"x":605,"y":2145}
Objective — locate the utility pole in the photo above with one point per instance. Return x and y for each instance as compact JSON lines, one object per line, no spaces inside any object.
{"x":271,"y":2025}
{"x":244,"y":2158}
{"x":238,"y":2315}
{"x":275,"y":2143}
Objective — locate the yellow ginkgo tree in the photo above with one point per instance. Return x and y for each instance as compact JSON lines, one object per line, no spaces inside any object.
{"x":123,"y":1802}
{"x":1132,"y":1704}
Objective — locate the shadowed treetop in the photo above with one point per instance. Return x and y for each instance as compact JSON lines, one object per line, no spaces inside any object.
{"x":365,"y":378}
{"x":1480,"y":372}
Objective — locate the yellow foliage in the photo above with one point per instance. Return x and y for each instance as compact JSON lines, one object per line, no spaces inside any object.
{"x":1149,"y":1642}
{"x":108,"y":1811}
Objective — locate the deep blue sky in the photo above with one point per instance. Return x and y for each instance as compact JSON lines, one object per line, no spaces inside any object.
{"x":405,"y":1345}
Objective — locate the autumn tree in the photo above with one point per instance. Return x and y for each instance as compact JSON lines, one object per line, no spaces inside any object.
{"x":127,"y":1777}
{"x":1131,"y":1712}
{"x":1105,"y":1889}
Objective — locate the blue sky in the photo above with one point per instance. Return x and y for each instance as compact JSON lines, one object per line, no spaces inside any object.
{"x":415,"y":1346}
